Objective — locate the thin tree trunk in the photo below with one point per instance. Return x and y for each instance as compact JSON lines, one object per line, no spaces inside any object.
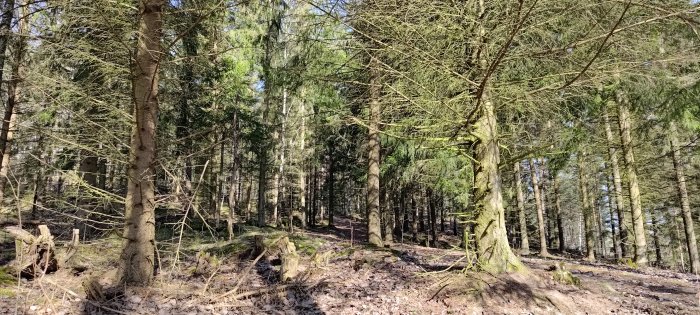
{"x":613,"y":228}
{"x":524,"y":242}
{"x":560,"y":223}
{"x":9,"y":122}
{"x":315,"y":198}
{"x":598,"y":225}
{"x":388,"y":217}
{"x":430,"y":201}
{"x":138,"y":255}
{"x":233,"y":191}
{"x":691,"y":242}
{"x":640,"y":250}
{"x":262,"y":189}
{"x":655,"y":230}
{"x":540,"y":208}
{"x":617,"y":181}
{"x":373,"y":210}
{"x":414,"y":222}
{"x":587,"y":211}
{"x":331,"y":189}
{"x":302,"y":172}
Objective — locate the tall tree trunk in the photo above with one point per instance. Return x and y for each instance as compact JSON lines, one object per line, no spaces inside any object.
{"x":8,"y":14}
{"x":331,"y":189}
{"x":560,"y":223}
{"x":522,"y":218}
{"x":613,"y":228}
{"x":374,"y":226}
{"x":233,"y":191}
{"x":493,"y":252}
{"x":597,"y":221}
{"x":691,"y":242}
{"x":9,"y":122}
{"x":430,"y":202}
{"x":655,"y":230}
{"x":138,"y":254}
{"x":540,"y":207}
{"x":617,"y":181}
{"x":302,"y":172}
{"x":388,"y":216}
{"x":586,"y":207}
{"x":414,"y":222}
{"x":640,"y":242}
{"x":262,"y":189}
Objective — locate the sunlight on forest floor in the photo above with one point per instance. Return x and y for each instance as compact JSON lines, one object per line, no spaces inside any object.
{"x":339,"y":278}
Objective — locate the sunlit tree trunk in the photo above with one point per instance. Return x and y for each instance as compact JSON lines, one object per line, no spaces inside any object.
{"x":539,"y":203}
{"x":617,"y":184}
{"x":374,"y":227}
{"x":494,"y":254}
{"x":691,"y":242}
{"x":137,"y":257}
{"x":522,"y":218}
{"x":640,"y":242}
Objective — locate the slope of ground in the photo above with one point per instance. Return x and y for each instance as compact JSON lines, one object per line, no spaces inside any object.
{"x":341,"y":275}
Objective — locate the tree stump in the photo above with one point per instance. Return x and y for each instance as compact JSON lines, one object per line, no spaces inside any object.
{"x":290,"y":259}
{"x":34,"y":256}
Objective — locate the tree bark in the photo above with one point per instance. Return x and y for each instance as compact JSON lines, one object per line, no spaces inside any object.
{"x":540,"y":208}
{"x":640,"y":242}
{"x":374,"y":227}
{"x":586,"y":207}
{"x":138,"y":254}
{"x":617,"y":181}
{"x":524,"y":241}
{"x":493,"y":252}
{"x":691,"y":242}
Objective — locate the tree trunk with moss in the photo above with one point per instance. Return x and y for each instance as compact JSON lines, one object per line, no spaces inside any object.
{"x":138,"y":255}
{"x":640,"y":242}
{"x":691,"y":242}
{"x":522,"y":218}
{"x":494,"y":254}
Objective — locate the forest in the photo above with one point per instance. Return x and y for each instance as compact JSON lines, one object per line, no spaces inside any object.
{"x":349,"y":156}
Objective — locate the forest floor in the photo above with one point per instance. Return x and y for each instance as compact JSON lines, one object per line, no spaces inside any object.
{"x":340,"y":274}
